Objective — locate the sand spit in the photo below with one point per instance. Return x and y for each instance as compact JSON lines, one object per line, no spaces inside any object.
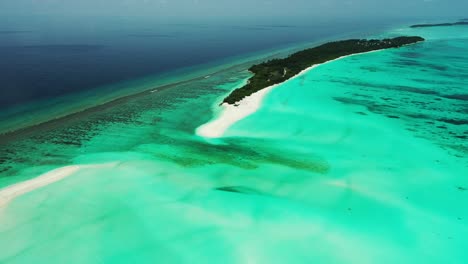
{"x":11,"y":192}
{"x":247,"y":106}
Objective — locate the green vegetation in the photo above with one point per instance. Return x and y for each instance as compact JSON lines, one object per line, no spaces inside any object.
{"x":461,"y":23}
{"x":279,"y":70}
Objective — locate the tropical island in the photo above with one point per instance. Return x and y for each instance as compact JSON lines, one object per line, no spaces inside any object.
{"x":279,"y":70}
{"x":463,"y":22}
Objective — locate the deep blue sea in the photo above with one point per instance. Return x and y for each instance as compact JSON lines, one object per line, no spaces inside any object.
{"x":44,"y":58}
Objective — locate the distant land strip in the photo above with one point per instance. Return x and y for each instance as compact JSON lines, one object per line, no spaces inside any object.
{"x":280,"y":70}
{"x":464,"y":22}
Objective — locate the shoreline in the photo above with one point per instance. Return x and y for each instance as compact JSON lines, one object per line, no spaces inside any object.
{"x":10,"y":130}
{"x":231,"y":114}
{"x":11,"y":192}
{"x":277,"y":71}
{"x":12,"y":134}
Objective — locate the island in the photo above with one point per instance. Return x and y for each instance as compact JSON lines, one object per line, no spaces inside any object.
{"x":279,"y":70}
{"x":463,"y":22}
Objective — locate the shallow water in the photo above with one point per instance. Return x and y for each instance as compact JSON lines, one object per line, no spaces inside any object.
{"x":51,"y":67}
{"x":361,"y":160}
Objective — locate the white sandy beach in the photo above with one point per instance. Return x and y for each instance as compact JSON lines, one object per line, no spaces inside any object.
{"x":231,"y":114}
{"x":11,"y":192}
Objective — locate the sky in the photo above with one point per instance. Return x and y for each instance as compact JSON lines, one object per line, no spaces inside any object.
{"x":238,"y":9}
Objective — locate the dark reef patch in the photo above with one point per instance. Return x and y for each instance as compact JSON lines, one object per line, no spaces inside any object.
{"x":238,"y":189}
{"x":431,"y":82}
{"x":351,"y":101}
{"x":403,"y":88}
{"x":418,"y":116}
{"x":457,"y":122}
{"x":369,"y":68}
{"x":406,"y":62}
{"x":462,"y":97}
{"x":410,"y":54}
{"x":370,"y":105}
{"x":409,"y":62}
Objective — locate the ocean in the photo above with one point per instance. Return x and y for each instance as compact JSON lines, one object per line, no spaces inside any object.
{"x":360,"y":160}
{"x":55,"y":66}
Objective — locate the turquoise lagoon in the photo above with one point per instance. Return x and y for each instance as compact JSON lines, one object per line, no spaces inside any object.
{"x":360,"y":160}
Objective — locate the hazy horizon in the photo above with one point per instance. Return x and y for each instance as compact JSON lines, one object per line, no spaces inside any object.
{"x":169,"y":11}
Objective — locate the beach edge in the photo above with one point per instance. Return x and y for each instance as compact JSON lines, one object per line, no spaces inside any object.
{"x":231,"y":114}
